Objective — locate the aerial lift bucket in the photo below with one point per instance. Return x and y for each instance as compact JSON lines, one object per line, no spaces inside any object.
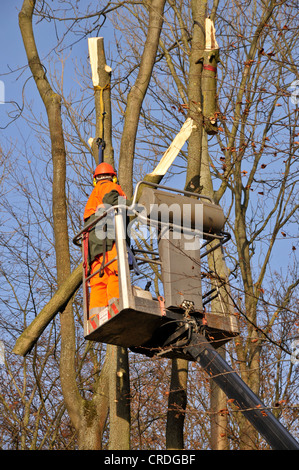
{"x":175,"y":325}
{"x":137,"y":319}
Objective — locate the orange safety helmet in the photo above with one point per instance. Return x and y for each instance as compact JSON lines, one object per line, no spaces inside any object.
{"x":104,"y":169}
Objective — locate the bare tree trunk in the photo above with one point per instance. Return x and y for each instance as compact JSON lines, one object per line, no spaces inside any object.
{"x":101,"y":78}
{"x":195,"y":95}
{"x":202,"y":103}
{"x":219,"y":414}
{"x":88,"y":424}
{"x":177,"y":405}
{"x":221,"y":305}
{"x":177,"y":397}
{"x":119,"y":398}
{"x":52,"y":104}
{"x":118,"y":381}
{"x":178,"y":386}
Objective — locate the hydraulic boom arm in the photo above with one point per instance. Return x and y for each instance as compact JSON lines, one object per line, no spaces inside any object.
{"x":235,"y":388}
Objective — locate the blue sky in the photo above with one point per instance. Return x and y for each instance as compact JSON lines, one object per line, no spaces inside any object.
{"x":14,"y":71}
{"x":12,"y":56}
{"x":14,"y":74}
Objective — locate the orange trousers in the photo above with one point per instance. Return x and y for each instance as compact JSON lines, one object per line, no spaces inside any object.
{"x":104,"y":288}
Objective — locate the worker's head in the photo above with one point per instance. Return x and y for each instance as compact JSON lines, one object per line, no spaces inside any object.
{"x":104,"y":171}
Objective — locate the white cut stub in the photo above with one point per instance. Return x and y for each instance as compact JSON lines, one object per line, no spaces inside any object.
{"x":211,"y":42}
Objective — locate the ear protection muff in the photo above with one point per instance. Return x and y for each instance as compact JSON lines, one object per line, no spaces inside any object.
{"x":114,"y":179}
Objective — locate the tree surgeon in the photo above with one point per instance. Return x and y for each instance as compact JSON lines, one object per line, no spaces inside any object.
{"x":101,"y":239}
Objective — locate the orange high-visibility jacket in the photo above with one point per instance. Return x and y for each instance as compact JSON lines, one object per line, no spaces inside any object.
{"x":105,"y":192}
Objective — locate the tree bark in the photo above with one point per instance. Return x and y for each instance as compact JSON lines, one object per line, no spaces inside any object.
{"x":52,"y":104}
{"x":202,"y":105}
{"x":81,"y":412}
{"x":118,"y":384}
{"x":175,"y":420}
{"x":177,"y":405}
{"x":101,"y":78}
{"x":119,"y":398}
{"x":219,"y":415}
{"x":195,"y":95}
{"x":221,"y":305}
{"x":209,"y":79}
{"x":119,"y":379}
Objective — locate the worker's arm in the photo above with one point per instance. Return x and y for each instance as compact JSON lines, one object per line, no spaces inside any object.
{"x":113,"y":198}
